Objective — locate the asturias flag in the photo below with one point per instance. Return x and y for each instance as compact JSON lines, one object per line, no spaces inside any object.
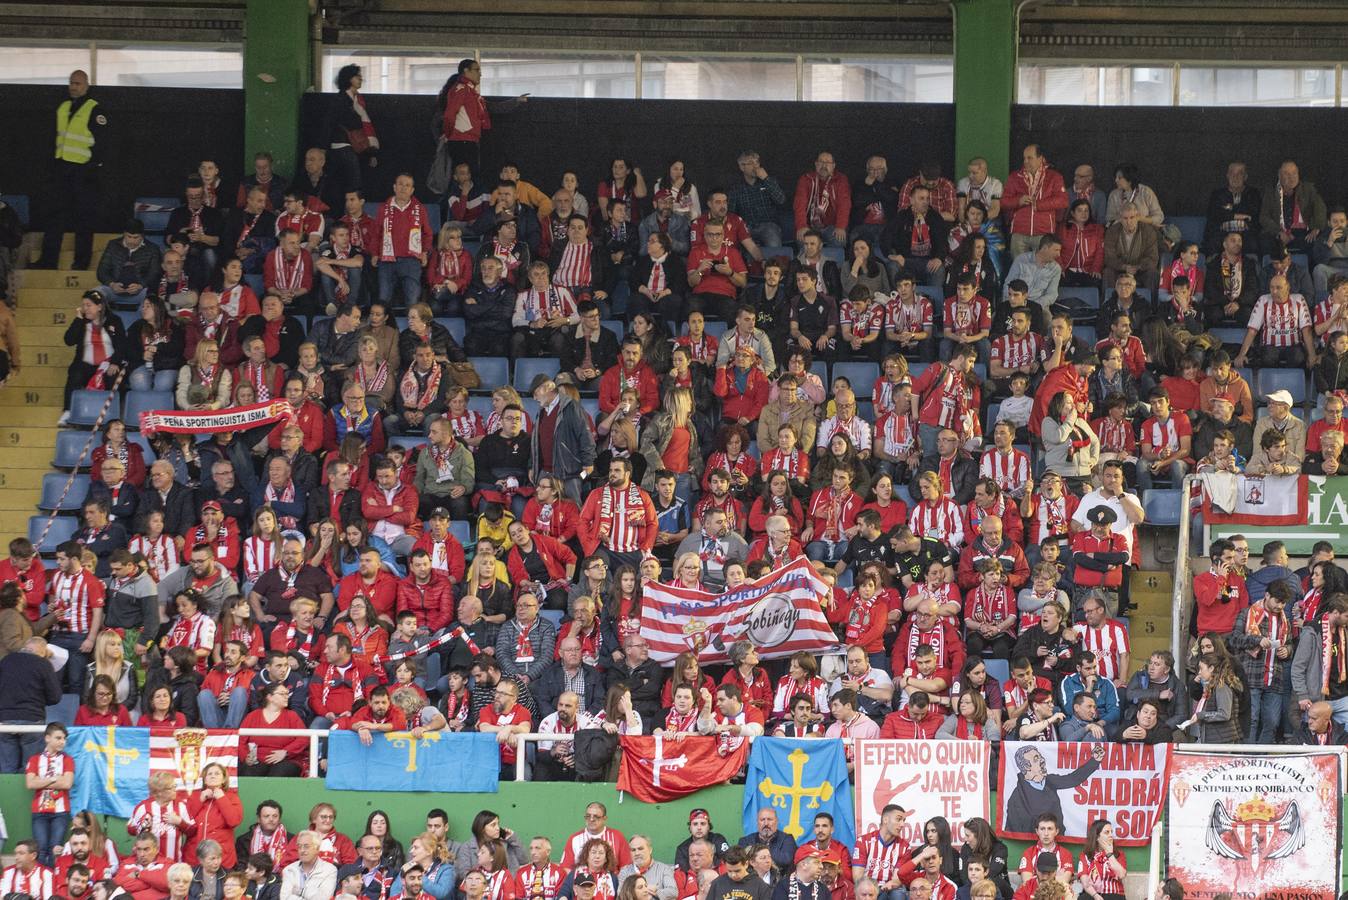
{"x":112,"y":768}
{"x":800,"y":778}
{"x":443,"y":761}
{"x":655,"y":768}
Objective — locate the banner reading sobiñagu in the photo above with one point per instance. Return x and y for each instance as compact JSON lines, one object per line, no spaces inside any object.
{"x":1255,"y":826}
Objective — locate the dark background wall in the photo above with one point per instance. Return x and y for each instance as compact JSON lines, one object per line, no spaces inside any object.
{"x":159,"y":134}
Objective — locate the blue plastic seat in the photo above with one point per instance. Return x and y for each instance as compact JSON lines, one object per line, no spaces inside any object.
{"x":86,"y":405}
{"x":834,"y":253}
{"x":138,"y":402}
{"x":617,"y":327}
{"x":20,"y":204}
{"x":934,"y":294}
{"x":528,"y":369}
{"x":1163,"y":507}
{"x":820,"y":368}
{"x":1291,"y":380}
{"x":70,"y":449}
{"x":1190,"y":227}
{"x":531,"y":408}
{"x":993,"y":410}
{"x":54,"y":485}
{"x":155,"y":220}
{"x":494,"y":371}
{"x":552,"y":615}
{"x":1228,"y":335}
{"x":1088,"y":295}
{"x":715,"y":329}
{"x":866,"y":409}
{"x":408,"y":441}
{"x":591,"y":406}
{"x":999,"y":670}
{"x":140,"y":440}
{"x":916,"y":368}
{"x":455,"y":326}
{"x":862,"y":375}
{"x":461,"y":530}
{"x":480,"y":405}
{"x":62,"y":529}
{"x":776,"y":252}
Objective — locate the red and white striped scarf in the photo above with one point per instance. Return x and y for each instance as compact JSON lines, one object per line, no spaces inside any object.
{"x":1277,"y":633}
{"x":274,"y":844}
{"x":656,"y":283}
{"x":256,"y":375}
{"x":573,"y":270}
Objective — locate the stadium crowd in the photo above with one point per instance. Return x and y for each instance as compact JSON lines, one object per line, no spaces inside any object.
{"x":971,"y":503}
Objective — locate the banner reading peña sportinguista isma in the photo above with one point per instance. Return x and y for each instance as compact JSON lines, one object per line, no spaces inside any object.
{"x":1079,"y":783}
{"x":211,"y":421}
{"x":1255,"y":826}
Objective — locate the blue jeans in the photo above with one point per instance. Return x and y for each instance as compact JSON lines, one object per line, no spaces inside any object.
{"x":1340,"y":707}
{"x":213,"y":715}
{"x":927,"y":435}
{"x":766,"y":234}
{"x":983,"y":347}
{"x":147,"y":379}
{"x":16,"y":749}
{"x":73,"y":674}
{"x":1174,"y":472}
{"x":49,"y":829}
{"x":826,"y":551}
{"x":1265,"y":713}
{"x":122,"y":301}
{"x":405,"y":273}
{"x":353,"y":283}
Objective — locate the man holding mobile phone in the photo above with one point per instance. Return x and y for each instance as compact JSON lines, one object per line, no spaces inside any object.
{"x":1220,"y":592}
{"x":1329,"y":253}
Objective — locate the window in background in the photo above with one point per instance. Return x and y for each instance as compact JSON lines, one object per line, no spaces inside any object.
{"x":717,"y":78}
{"x":558,"y":75}
{"x":880,"y":80}
{"x":42,"y":65}
{"x":204,"y":66}
{"x":1223,"y":86}
{"x":394,"y":73}
{"x":1052,"y":85}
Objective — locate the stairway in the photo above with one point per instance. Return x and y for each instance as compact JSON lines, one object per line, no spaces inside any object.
{"x":1149,"y":625}
{"x":30,"y":402}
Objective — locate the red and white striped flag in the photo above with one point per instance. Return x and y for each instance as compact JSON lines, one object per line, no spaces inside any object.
{"x":186,"y":751}
{"x":778,"y":612}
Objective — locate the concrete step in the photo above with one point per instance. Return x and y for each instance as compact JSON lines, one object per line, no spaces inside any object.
{"x":26,"y":481}
{"x":41,"y":399}
{"x":34,"y":239}
{"x":36,"y":416}
{"x":68,"y":279}
{"x":47,"y":376}
{"x":48,"y":331}
{"x":27,"y":437}
{"x":43,"y":298}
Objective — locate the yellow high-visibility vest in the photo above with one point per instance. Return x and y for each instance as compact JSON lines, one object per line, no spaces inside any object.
{"x":74,"y":140}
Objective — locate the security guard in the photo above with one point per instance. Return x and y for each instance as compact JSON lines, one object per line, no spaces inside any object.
{"x":80,"y":124}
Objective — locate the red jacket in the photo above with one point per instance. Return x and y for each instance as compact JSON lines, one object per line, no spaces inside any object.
{"x":271,"y":278}
{"x":310,"y":419}
{"x":840,"y":209}
{"x":216,"y":820}
{"x":1220,"y":601}
{"x":1013,"y":527}
{"x":900,"y":726}
{"x":736,"y":405}
{"x":1017,"y":574}
{"x":1063,"y":378}
{"x":1083,"y":249}
{"x":1040,"y":217}
{"x":464,"y":97}
{"x":759,"y":548}
{"x":374,"y":507}
{"x":433,"y":602}
{"x":564,"y":522}
{"x":611,"y":384}
{"x":556,"y":557}
{"x":949,"y":656}
{"x":333,"y":692}
{"x":333,"y":847}
{"x":218,"y":681}
{"x":146,"y":882}
{"x":383,"y":594}
{"x":454,"y":558}
{"x":226,"y":335}
{"x":1084,"y":542}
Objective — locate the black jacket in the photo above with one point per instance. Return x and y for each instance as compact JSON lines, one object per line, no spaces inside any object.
{"x":645,"y":683}
{"x":128,"y":500}
{"x":551,"y":684}
{"x":234,"y":503}
{"x":289,"y":338}
{"x":319,"y":505}
{"x":31,"y":686}
{"x":212,"y":220}
{"x":442,"y":342}
{"x":179,"y":508}
{"x":603,"y":352}
{"x":492,"y":309}
{"x":881,"y":193}
{"x":169,"y":356}
{"x":74,"y":337}
{"x":831,"y":285}
{"x":898,"y":234}
{"x":676,"y":273}
{"x":1337,"y":735}
{"x":1222,"y":208}
{"x":963,"y":475}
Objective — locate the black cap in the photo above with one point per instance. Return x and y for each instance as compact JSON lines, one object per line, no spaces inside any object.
{"x":134,"y":226}
{"x":348,"y":870}
{"x":584,"y":879}
{"x":1046,"y":863}
{"x":1102,"y":515}
{"x":440,"y":513}
{"x":1084,"y":356}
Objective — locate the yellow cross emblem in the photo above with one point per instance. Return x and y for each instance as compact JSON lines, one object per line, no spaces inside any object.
{"x":401,"y":739}
{"x":113,"y":754}
{"x":779,"y":794}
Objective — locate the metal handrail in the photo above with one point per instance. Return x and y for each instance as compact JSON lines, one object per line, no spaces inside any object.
{"x":1182,"y":590}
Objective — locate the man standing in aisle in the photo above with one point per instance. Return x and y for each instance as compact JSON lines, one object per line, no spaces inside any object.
{"x":73,"y":202}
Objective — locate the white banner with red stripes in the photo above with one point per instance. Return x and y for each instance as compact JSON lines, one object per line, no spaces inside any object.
{"x":779,"y":613}
{"x":211,"y":421}
{"x":1254,"y":499}
{"x":186,"y":751}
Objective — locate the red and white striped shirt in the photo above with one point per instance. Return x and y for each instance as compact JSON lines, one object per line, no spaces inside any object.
{"x":47,"y":765}
{"x":882,"y":393}
{"x":897,"y":433}
{"x":1280,"y":324}
{"x":468,"y":425}
{"x":940,"y":520}
{"x":914,"y":316}
{"x":967,"y":318}
{"x":702,"y":350}
{"x":1116,"y":436}
{"x":857,"y":429}
{"x":831,"y":514}
{"x":870,"y":321}
{"x":539,"y":882}
{"x":36,"y":884}
{"x":1108,"y":642}
{"x":1051,"y":517}
{"x":624,"y":511}
{"x":573,"y":270}
{"x":161,"y":553}
{"x":1324,"y":312}
{"x":77,"y":596}
{"x":259,"y":555}
{"x":1010,"y":470}
{"x":195,"y":632}
{"x":1014,"y":695}
{"x":787,"y":687}
{"x":880,"y":860}
{"x":149,"y":815}
{"x":1013,"y":352}
{"x":1101,"y":875}
{"x":794,"y":464}
{"x":1166,"y":435}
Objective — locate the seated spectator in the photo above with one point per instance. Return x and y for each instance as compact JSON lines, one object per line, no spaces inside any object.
{"x":917,"y":720}
{"x":1232,"y":208}
{"x":1132,"y":245}
{"x":1272,"y":458}
{"x":1039,"y":271}
{"x":544,"y":313}
{"x":1280,"y":419}
{"x":1282,"y":322}
{"x":488,"y":309}
{"x":128,"y":266}
{"x":1083,"y":246}
{"x":289,"y":274}
{"x":1166,"y":442}
{"x":1293,"y":211}
{"x":916,"y":239}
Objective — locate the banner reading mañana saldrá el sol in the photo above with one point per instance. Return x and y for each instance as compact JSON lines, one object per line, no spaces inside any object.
{"x":1326,"y":520}
{"x":926,"y":778}
{"x":1255,"y":826}
{"x":1079,"y":783}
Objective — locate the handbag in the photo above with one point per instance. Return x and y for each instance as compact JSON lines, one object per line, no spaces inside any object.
{"x":359,"y":140}
{"x":442,"y":168}
{"x":464,"y":375}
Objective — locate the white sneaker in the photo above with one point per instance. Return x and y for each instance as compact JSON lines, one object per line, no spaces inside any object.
{"x":64,"y":420}
{"x":331,"y":309}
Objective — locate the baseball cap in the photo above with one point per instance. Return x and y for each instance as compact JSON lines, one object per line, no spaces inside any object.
{"x":1046,"y":863}
{"x":1281,"y":396}
{"x":440,"y":513}
{"x":212,"y":504}
{"x":584,"y":879}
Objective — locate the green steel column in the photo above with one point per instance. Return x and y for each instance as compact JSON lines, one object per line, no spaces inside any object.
{"x":277,"y":70}
{"x":986,"y":41}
